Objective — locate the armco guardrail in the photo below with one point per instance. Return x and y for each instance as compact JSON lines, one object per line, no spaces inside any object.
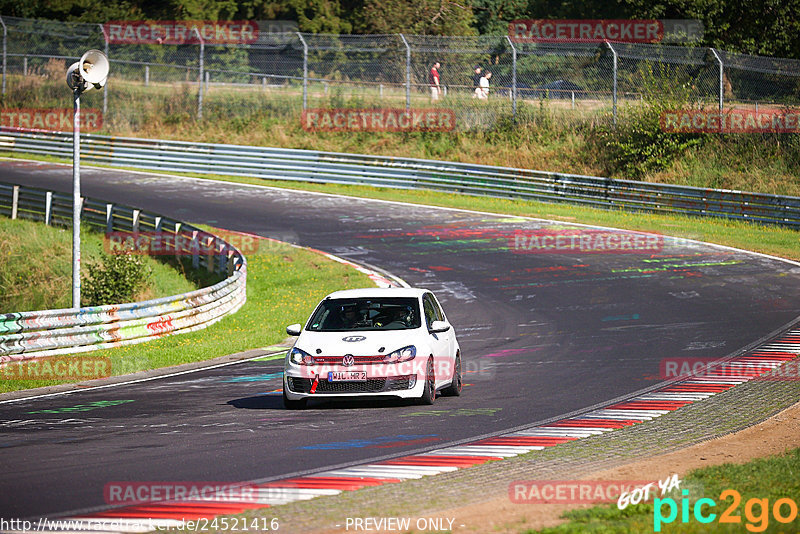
{"x":25,"y":335}
{"x":329,"y":167}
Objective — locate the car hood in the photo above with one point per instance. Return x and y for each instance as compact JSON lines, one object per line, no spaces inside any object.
{"x":341,"y":343}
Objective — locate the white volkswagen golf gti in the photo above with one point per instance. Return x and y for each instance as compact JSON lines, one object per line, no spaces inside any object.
{"x":392,"y":342}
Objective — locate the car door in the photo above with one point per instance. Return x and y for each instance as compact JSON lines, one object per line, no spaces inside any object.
{"x":440,"y":342}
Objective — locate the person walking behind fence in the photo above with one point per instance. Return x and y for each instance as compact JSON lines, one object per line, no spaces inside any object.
{"x":482,"y":91}
{"x":476,"y":78}
{"x":433,"y":78}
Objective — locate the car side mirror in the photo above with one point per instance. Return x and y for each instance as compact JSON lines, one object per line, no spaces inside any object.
{"x":439,"y":326}
{"x":294,"y":329}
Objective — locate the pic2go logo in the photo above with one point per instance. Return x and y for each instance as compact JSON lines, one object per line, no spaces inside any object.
{"x":756,"y":511}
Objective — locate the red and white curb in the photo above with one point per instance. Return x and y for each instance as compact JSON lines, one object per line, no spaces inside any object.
{"x":644,"y":407}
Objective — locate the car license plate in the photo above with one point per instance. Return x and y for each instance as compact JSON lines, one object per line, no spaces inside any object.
{"x":347,"y":376}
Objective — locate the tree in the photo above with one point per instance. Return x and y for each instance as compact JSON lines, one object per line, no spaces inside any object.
{"x":420,"y":17}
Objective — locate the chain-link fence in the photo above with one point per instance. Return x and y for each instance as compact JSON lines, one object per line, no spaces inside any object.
{"x":281,"y":74}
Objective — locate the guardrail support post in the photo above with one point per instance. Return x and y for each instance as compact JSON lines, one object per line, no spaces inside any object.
{"x":195,"y":250}
{"x":175,"y":241}
{"x":14,"y":201}
{"x":408,"y":71}
{"x":109,"y":218}
{"x":135,"y":221}
{"x":221,"y":256}
{"x":305,"y":69}
{"x":721,"y":78}
{"x":614,"y":89}
{"x":513,"y":78}
{"x":157,"y":223}
{"x":48,"y":207}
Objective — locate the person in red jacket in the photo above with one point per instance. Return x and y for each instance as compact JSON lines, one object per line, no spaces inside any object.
{"x":433,"y":79}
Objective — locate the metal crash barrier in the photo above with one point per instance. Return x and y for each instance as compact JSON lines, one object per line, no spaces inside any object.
{"x":405,"y":173}
{"x":25,"y":335}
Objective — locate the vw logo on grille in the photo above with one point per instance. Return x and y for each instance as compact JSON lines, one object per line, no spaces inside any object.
{"x":353,"y":339}
{"x":348,"y":360}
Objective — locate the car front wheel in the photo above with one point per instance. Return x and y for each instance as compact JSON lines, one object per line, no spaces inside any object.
{"x":454,"y":389}
{"x":429,"y":391}
{"x":290,"y":404}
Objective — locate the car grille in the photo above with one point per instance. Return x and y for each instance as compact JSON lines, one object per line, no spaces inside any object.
{"x":373,"y":385}
{"x":356,"y":359}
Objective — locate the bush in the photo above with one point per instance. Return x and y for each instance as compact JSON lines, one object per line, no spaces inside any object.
{"x":638,"y":144}
{"x":115,"y":279}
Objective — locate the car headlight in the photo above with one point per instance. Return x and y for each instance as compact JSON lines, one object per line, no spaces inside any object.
{"x":401,"y":355}
{"x":300,"y":357}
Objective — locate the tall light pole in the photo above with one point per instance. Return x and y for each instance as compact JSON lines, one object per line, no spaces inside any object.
{"x":90,"y":72}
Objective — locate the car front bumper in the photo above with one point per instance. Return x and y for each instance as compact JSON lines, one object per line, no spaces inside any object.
{"x":299,"y":382}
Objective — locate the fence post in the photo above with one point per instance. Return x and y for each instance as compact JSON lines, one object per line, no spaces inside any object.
{"x":408,"y":71}
{"x":305,"y":69}
{"x":614,"y":90}
{"x":513,"y":78}
{"x":5,"y":43}
{"x":721,"y":79}
{"x":105,"y":86}
{"x":200,"y":75}
{"x":146,"y":75}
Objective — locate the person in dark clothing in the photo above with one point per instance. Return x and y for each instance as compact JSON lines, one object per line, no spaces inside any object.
{"x":476,"y":77}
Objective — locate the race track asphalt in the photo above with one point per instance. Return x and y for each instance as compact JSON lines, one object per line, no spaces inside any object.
{"x":542,"y":334}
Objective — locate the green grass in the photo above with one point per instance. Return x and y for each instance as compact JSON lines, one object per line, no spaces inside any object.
{"x":770,"y":479}
{"x":36,"y":271}
{"x":284,"y":283}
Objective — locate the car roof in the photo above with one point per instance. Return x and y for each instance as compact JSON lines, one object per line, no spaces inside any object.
{"x":375,"y":292}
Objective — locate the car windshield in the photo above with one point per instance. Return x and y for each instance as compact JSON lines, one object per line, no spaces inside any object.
{"x":338,"y":315}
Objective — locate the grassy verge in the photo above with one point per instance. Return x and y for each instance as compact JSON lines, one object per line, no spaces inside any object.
{"x":36,"y":271}
{"x":284,"y":283}
{"x":765,"y":481}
